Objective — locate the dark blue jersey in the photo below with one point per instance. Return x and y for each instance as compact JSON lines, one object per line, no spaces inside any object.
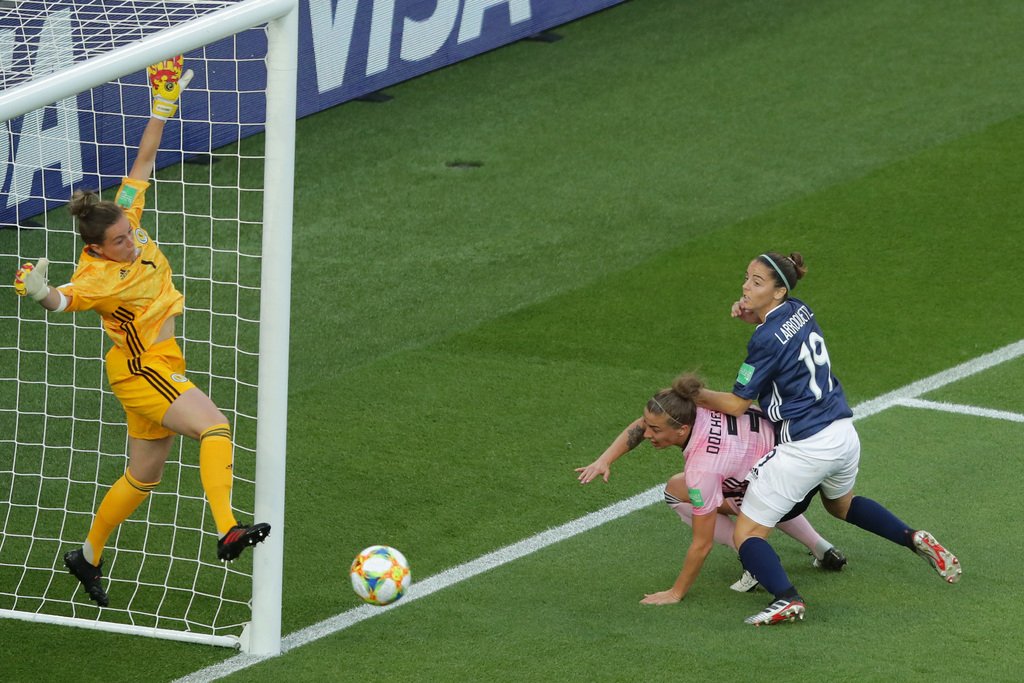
{"x":789,"y":373}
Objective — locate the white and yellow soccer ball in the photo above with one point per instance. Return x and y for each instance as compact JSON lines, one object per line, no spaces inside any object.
{"x":380,"y":575}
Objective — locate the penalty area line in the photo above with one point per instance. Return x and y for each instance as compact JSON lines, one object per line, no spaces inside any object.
{"x":961,"y":409}
{"x":941,"y":379}
{"x":907,"y":395}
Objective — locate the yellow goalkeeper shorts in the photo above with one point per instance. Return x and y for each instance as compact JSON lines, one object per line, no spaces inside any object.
{"x":147,"y":385}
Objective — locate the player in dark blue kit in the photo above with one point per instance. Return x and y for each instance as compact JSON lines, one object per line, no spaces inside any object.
{"x":789,"y":373}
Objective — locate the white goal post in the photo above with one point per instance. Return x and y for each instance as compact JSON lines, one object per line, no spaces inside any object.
{"x":268,"y":390}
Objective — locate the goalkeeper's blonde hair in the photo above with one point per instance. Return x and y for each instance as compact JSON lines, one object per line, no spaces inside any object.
{"x":93,"y":215}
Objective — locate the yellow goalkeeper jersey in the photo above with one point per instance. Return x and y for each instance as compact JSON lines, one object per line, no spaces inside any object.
{"x":133,"y":299}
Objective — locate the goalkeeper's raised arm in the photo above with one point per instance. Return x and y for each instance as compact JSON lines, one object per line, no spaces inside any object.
{"x":168,"y":79}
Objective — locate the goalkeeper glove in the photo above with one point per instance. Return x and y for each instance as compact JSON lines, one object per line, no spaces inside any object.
{"x":31,"y":280}
{"x":167,"y":81}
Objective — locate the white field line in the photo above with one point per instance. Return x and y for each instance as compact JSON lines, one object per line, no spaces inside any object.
{"x":923,"y":386}
{"x":961,"y":409}
{"x":462,"y":572}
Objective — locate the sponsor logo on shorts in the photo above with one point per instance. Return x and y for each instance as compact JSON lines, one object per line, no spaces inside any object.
{"x":755,"y":471}
{"x":179,"y":377}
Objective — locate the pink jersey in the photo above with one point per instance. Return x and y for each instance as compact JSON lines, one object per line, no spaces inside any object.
{"x":720,"y":453}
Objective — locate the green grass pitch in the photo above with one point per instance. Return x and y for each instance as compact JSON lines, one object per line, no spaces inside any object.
{"x":464,"y":337}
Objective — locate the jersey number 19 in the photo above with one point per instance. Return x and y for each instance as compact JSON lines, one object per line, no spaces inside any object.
{"x":814,"y":355}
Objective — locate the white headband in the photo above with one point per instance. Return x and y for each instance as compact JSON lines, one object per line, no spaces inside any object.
{"x":768,"y":258}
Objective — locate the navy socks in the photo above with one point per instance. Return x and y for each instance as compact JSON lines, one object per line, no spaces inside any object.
{"x":760,"y":559}
{"x":870,"y":516}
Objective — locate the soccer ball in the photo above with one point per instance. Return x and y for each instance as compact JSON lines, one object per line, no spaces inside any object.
{"x":380,"y":575}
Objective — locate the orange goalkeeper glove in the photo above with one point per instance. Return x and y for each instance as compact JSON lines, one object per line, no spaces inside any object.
{"x":168,"y":81}
{"x":31,"y":280}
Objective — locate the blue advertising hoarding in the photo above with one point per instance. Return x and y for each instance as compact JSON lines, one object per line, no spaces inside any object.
{"x":347,"y":49}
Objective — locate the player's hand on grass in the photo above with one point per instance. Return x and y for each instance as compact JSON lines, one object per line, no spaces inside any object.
{"x":30,"y":280}
{"x":668,"y":597}
{"x":592,"y":471}
{"x":168,"y":81}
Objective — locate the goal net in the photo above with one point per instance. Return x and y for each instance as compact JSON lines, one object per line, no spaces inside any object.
{"x":74,"y":99}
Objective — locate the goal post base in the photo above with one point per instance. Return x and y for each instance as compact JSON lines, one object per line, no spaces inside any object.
{"x":127,"y":629}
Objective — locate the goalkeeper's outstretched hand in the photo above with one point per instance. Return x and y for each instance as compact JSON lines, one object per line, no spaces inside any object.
{"x":31,"y":280}
{"x":168,"y":81}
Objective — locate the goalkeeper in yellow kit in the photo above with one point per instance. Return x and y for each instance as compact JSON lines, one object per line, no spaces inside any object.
{"x":123,"y":276}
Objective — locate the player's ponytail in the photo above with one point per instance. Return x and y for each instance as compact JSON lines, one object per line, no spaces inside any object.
{"x":687,"y":385}
{"x":677,"y":401}
{"x":798,"y":265}
{"x":93,"y":215}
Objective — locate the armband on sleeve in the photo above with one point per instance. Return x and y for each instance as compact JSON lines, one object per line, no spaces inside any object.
{"x":63,"y":301}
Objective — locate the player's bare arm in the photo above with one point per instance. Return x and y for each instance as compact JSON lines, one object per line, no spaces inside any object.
{"x":626,"y":441}
{"x":700,"y":547}
{"x":723,"y":402}
{"x":634,"y":435}
{"x":168,"y":80}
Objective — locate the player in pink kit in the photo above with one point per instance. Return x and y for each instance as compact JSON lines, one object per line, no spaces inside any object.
{"x":719,"y":451}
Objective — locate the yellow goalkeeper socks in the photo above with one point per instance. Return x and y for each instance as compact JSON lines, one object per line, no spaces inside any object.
{"x":121,"y":500}
{"x":216,"y":474}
